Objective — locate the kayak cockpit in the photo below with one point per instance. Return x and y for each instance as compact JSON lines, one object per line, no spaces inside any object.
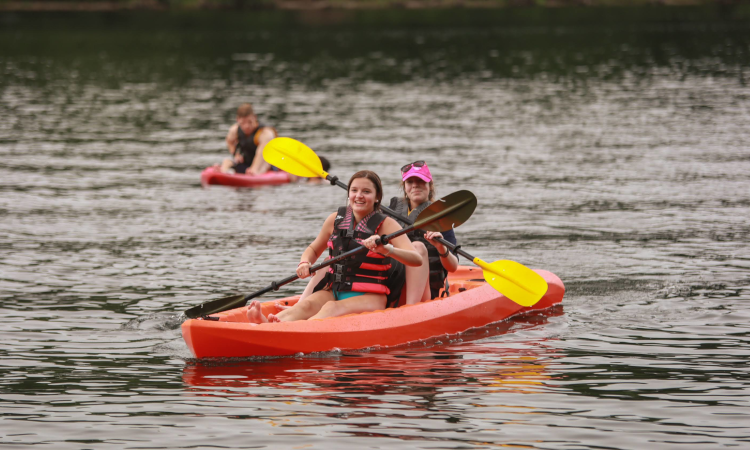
{"x":465,"y":278}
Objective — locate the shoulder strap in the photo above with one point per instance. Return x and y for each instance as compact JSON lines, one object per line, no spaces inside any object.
{"x":340,"y":216}
{"x":375,"y":221}
{"x":398,"y":204}
{"x":257,"y":131}
{"x":344,"y":223}
{"x":415,"y":212}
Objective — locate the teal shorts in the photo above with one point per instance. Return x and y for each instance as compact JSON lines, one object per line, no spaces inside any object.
{"x":344,"y":295}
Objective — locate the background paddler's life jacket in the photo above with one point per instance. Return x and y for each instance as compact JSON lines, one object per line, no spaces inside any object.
{"x":364,"y":272}
{"x":247,"y":144}
{"x":438,"y":273}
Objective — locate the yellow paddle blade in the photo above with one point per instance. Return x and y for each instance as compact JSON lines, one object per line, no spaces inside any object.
{"x":292,"y":156}
{"x":514,"y":280}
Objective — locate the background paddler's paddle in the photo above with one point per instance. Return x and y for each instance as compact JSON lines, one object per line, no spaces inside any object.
{"x":512,"y":279}
{"x":446,"y":213}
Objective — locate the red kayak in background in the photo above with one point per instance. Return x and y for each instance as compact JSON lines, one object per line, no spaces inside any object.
{"x":472,"y":303}
{"x":212,"y":175}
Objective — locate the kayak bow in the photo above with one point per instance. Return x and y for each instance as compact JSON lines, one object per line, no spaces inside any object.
{"x":212,"y":175}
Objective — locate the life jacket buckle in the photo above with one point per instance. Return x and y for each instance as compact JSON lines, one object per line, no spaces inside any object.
{"x":337,"y":274}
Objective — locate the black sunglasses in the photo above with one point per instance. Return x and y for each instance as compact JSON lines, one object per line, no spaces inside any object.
{"x":408,"y":167}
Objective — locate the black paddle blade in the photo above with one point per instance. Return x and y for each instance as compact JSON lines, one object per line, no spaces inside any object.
{"x":215,"y":306}
{"x":448,"y":212}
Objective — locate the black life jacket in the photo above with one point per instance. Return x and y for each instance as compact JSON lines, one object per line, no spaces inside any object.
{"x":438,"y":273}
{"x":364,"y":272}
{"x":246,"y":144}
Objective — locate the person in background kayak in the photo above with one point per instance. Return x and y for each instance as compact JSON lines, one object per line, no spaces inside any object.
{"x":245,"y":141}
{"x":358,"y":283}
{"x":423,"y":282}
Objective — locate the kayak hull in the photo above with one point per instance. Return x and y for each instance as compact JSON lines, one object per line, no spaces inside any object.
{"x":472,"y":304}
{"x":212,"y":175}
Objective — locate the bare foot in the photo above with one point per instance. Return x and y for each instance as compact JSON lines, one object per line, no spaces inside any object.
{"x":254,"y":315}
{"x":273,"y":319}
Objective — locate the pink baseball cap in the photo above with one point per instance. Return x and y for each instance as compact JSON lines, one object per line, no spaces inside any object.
{"x":416,"y":169}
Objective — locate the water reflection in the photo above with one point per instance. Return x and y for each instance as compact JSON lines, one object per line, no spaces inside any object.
{"x":410,"y":394}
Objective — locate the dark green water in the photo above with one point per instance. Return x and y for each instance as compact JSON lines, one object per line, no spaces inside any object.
{"x":607,"y":146}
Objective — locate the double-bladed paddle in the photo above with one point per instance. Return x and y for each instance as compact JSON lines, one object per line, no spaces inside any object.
{"x":512,"y":279}
{"x":446,"y":213}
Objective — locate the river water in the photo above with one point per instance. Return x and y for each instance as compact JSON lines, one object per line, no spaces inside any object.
{"x":609,"y":148}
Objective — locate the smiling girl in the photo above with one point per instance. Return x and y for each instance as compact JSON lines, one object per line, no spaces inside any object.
{"x":359,"y":283}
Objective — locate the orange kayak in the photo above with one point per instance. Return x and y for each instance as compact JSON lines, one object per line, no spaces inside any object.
{"x":472,"y":303}
{"x":212,"y":175}
{"x":522,"y":368}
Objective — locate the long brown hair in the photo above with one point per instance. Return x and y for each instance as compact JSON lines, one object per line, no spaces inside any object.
{"x":372,"y":176}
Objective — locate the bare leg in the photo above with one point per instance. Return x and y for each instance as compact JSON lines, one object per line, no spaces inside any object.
{"x":417,"y":288}
{"x":259,"y":167}
{"x":352,"y":305}
{"x":226,"y":165}
{"x":304,"y":309}
{"x":312,"y":283}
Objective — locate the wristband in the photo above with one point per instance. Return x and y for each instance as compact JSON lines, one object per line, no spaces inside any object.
{"x":303,"y":262}
{"x":443,"y":255}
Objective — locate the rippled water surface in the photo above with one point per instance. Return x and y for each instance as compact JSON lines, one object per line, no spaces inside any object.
{"x":611,"y":152}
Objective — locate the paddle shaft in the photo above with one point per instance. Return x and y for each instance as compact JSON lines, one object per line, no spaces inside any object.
{"x":405,"y":219}
{"x":457,"y":249}
{"x":453,"y":209}
{"x":339,"y":183}
{"x":517,"y":274}
{"x":276,"y":285}
{"x":335,"y":180}
{"x":451,"y":246}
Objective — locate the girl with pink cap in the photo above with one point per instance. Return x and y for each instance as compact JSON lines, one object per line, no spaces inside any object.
{"x":423,"y":282}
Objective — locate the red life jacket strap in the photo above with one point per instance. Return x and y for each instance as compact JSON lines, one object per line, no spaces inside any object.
{"x":371,"y":288}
